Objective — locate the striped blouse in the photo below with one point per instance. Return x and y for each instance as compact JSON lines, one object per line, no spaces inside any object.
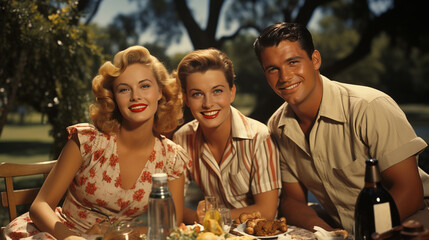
{"x":249,"y":164}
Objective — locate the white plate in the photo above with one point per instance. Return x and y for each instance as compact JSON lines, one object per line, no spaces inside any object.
{"x":191,"y":227}
{"x":240,"y":228}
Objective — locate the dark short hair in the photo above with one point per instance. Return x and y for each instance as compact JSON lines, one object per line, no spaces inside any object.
{"x":274,"y":34}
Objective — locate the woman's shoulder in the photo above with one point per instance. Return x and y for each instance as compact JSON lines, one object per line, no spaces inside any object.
{"x":87,"y":131}
{"x":168,"y":144}
{"x":189,"y":128}
{"x":173,"y":150}
{"x":82,"y":128}
{"x":248,"y":125}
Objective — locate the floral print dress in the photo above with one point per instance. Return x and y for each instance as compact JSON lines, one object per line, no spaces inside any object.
{"x":96,"y":190}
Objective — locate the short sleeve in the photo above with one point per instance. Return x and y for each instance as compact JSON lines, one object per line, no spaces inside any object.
{"x":389,"y":135}
{"x":86,"y":134}
{"x":91,"y":141}
{"x":178,"y":160}
{"x":286,"y":172}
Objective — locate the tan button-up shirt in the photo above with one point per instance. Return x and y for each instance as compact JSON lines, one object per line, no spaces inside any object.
{"x":354,"y":123}
{"x":249,"y":164}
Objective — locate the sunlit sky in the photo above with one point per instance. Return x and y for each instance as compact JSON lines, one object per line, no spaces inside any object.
{"x":111,"y":8}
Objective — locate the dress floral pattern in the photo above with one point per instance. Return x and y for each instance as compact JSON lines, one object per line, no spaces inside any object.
{"x":96,"y":191}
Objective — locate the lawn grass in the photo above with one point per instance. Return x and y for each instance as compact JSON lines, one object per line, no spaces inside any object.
{"x":24,"y":144}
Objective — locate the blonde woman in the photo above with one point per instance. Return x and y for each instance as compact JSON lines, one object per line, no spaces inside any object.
{"x":105,"y":169}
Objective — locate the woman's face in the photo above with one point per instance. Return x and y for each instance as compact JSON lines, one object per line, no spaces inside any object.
{"x":137,"y":94}
{"x":209,"y":97}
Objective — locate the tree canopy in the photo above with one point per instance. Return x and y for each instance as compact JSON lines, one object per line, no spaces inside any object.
{"x":400,"y":21}
{"x":50,"y":61}
{"x":53,"y":50}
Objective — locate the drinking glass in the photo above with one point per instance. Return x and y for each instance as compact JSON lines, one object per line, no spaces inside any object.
{"x":211,"y":208}
{"x":125,"y":230}
{"x":226,"y":220}
{"x":211,"y":203}
{"x":212,"y":218}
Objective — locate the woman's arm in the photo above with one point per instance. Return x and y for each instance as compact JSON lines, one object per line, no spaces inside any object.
{"x":265,"y":157}
{"x":266,"y":203}
{"x":176,"y":188}
{"x":191,"y":216}
{"x":42,"y":211}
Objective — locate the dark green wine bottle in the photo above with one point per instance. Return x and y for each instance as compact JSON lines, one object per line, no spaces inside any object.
{"x":375,"y":209}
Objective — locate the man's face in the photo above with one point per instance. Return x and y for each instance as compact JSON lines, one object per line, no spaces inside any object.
{"x":290,"y":72}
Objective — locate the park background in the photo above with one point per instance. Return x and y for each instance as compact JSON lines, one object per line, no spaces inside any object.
{"x":52,"y":49}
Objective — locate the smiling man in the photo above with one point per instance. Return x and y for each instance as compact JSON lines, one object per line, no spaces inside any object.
{"x":326,"y":129}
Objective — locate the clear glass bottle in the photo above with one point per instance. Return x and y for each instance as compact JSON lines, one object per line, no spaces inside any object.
{"x":162,"y":213}
{"x":375,"y":209}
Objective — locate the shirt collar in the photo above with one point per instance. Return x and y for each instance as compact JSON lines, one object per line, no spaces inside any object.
{"x":240,"y":127}
{"x":288,"y":115}
{"x":331,"y":106}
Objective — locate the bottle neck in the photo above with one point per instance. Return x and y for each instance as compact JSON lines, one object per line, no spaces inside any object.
{"x":373,"y":185}
{"x":160,"y":190}
{"x":157,"y":184}
{"x":372,"y":175}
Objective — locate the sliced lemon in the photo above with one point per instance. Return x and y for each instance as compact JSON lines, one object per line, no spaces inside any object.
{"x":212,"y":221}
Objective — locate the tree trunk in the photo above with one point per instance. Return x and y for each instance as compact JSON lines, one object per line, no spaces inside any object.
{"x":14,"y":88}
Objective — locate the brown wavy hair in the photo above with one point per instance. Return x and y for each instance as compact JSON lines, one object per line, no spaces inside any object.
{"x":203,"y":60}
{"x":104,"y":112}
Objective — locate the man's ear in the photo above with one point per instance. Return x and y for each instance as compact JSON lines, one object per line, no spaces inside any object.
{"x":316,"y":59}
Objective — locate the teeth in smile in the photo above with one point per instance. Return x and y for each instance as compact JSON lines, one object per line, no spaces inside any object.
{"x":210,"y":113}
{"x":292,"y":86}
{"x":138,"y":107}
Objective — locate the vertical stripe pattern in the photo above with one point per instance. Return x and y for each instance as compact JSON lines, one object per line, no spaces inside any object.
{"x":249,"y":164}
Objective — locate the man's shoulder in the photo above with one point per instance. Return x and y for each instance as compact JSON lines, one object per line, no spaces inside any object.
{"x":279,"y":113}
{"x":360,"y":92}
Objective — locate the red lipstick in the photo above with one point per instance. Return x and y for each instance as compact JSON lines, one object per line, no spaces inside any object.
{"x":137,"y":107}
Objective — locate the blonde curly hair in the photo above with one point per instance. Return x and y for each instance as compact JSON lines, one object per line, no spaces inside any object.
{"x":104,"y":112}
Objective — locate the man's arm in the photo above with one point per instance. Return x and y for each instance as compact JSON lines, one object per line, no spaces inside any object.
{"x":293,"y":206}
{"x":405,"y":186}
